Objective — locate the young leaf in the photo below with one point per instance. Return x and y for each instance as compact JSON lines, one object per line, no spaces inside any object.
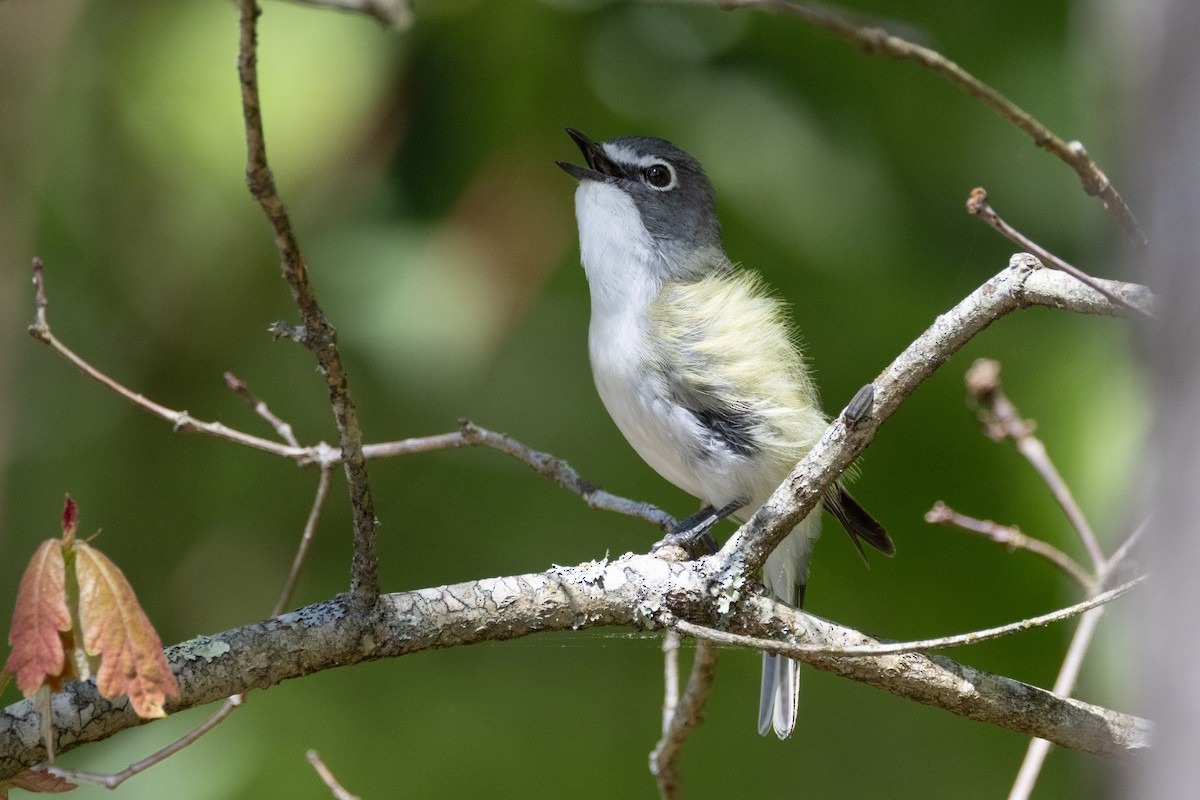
{"x":116,"y":628}
{"x":35,"y":780}
{"x":39,"y":615}
{"x":70,"y":519}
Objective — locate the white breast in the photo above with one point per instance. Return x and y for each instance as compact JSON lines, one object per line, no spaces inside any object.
{"x":621,"y":263}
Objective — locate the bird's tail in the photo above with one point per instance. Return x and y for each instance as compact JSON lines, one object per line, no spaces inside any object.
{"x":785,"y":575}
{"x":780,"y":695}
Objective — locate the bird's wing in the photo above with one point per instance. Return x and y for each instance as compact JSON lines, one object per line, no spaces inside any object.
{"x":861,"y":526}
{"x":730,"y":358}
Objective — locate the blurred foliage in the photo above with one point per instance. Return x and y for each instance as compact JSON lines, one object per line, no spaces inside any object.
{"x":419,"y":169}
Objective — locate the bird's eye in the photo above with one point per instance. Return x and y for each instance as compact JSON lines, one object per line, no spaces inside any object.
{"x":659,"y":176}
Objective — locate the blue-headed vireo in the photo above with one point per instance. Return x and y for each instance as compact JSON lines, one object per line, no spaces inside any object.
{"x":698,"y":363}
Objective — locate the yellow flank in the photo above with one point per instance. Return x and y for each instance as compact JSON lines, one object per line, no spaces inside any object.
{"x":729,"y":342}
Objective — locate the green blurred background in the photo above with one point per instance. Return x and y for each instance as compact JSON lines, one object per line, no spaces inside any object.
{"x":419,"y":170}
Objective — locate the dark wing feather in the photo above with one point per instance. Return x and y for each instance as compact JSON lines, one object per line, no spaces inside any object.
{"x":861,"y":526}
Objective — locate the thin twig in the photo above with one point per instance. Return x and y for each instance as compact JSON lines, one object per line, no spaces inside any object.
{"x":1001,"y":420}
{"x":942,"y":514}
{"x":977,"y":204}
{"x":259,"y":406}
{"x":561,"y":472}
{"x":324,"y":456}
{"x":796,"y":650}
{"x":338,"y":790}
{"x":396,"y":14}
{"x":180,"y":420}
{"x":670,"y":647}
{"x":1121,"y":553}
{"x":688,"y":713}
{"x":319,"y":335}
{"x":1064,"y":684}
{"x":116,"y":779}
{"x":876,"y":40}
{"x":310,"y":528}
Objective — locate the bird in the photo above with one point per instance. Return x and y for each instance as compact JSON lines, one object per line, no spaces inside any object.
{"x":699,"y":365}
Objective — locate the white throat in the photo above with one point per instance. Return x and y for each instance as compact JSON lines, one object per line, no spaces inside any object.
{"x":617,"y":251}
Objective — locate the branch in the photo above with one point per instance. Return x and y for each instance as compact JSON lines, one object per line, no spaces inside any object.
{"x":686,"y":713}
{"x":942,"y":514}
{"x":1022,"y":284}
{"x":396,"y":14}
{"x":113,"y":780}
{"x":1001,"y":420}
{"x":640,"y":591}
{"x":328,"y":778}
{"x":798,"y":650}
{"x":259,"y":406}
{"x":318,"y":334}
{"x":977,"y":205}
{"x":468,"y":435}
{"x":874,"y":40}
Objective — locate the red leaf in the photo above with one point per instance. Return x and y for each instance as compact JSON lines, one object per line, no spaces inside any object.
{"x":38,"y":617}
{"x":37,"y":780}
{"x":116,"y":628}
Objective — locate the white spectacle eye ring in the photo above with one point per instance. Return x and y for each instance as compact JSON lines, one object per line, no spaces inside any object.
{"x":659,"y":176}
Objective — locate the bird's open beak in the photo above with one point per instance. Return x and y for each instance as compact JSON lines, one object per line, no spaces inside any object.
{"x":601,"y":167}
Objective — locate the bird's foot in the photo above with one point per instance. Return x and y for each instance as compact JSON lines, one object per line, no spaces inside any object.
{"x":693,"y":535}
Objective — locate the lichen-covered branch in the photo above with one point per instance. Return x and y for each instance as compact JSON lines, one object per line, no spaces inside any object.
{"x":640,"y":591}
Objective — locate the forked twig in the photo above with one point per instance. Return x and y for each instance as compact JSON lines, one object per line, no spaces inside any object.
{"x":318,"y":334}
{"x":259,"y":406}
{"x":681,"y":714}
{"x":1001,"y":420}
{"x":799,"y":651}
{"x":977,"y":204}
{"x":875,"y":40}
{"x":330,"y":780}
{"x":117,"y":778}
{"x":942,"y":514}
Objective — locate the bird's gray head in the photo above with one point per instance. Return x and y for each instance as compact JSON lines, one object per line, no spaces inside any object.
{"x":666,"y":185}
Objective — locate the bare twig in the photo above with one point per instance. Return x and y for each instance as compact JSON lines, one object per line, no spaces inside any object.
{"x":328,"y":777}
{"x":117,"y":778}
{"x":1121,"y":553}
{"x":1001,"y":420}
{"x":310,"y":529}
{"x":180,"y":420}
{"x":561,"y":472}
{"x":325,"y":457}
{"x":396,"y":14}
{"x":319,"y":335}
{"x":875,"y":40}
{"x":977,"y":204}
{"x":1064,"y":684}
{"x":259,"y":407}
{"x":942,"y":514}
{"x":1023,"y":283}
{"x":670,"y":647}
{"x":800,"y":651}
{"x":468,"y":435}
{"x":686,"y":714}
